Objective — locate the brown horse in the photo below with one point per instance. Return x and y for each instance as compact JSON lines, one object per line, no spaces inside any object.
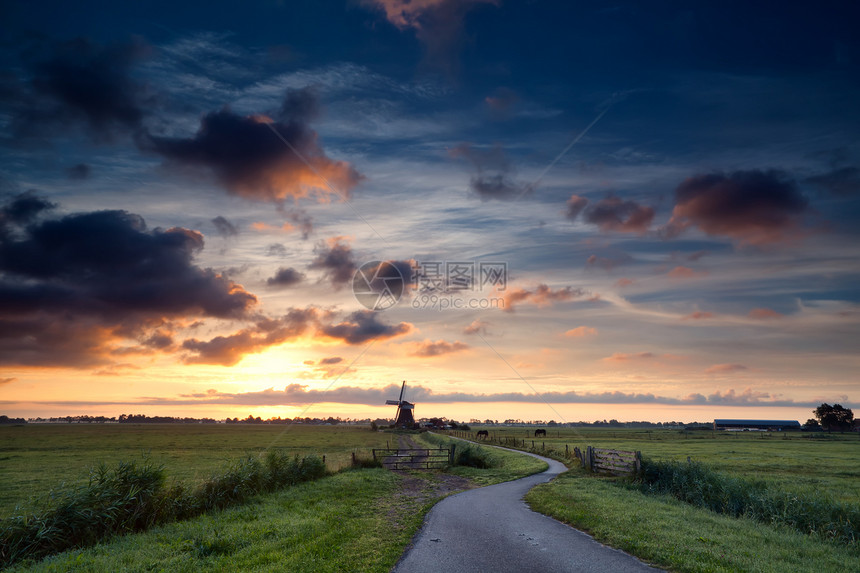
{"x":540,"y":433}
{"x":482,"y":434}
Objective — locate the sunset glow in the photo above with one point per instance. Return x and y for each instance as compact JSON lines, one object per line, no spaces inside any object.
{"x":629,"y":220}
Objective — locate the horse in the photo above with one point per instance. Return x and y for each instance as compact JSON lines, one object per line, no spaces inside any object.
{"x":482,"y":434}
{"x":540,"y":433}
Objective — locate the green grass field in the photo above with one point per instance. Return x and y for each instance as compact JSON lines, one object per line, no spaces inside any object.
{"x":681,"y":537}
{"x":356,"y":520}
{"x":371,"y":514}
{"x":794,"y":461}
{"x":38,"y":457}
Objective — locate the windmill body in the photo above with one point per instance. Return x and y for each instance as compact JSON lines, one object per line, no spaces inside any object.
{"x":404,"y":417}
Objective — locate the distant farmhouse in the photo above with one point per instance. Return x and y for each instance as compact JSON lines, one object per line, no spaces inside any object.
{"x":760,"y":425}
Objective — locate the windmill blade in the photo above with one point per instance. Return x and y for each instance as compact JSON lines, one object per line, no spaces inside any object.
{"x":402,"y":389}
{"x":392,"y":403}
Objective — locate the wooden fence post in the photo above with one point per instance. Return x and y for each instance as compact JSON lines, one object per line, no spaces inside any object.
{"x":451,"y":454}
{"x":638,"y":462}
{"x":353,"y":458}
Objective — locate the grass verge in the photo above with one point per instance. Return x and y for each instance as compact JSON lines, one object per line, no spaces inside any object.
{"x":672,"y":534}
{"x":812,"y":512}
{"x":357,"y":520}
{"x":338,"y":523}
{"x":132,"y":497}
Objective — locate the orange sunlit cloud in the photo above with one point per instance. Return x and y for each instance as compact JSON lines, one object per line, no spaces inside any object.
{"x":725,"y":368}
{"x":764,"y":314}
{"x":581,"y":332}
{"x":685,"y":273}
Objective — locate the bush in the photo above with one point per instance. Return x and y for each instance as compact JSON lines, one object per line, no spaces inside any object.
{"x":699,"y":485}
{"x":472,"y":456}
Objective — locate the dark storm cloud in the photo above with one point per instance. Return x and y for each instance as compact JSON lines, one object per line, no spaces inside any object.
{"x":224,"y":227}
{"x":276,"y":250}
{"x":22,"y":209}
{"x":79,"y":172}
{"x":575,"y":206}
{"x":356,"y":328}
{"x":612,"y":214}
{"x":841,"y":182}
{"x":362,"y":326}
{"x":260,"y":159}
{"x":285,"y":277}
{"x":229,"y":350}
{"x":85,"y":83}
{"x":72,"y":287}
{"x":754,"y":207}
{"x":335,"y":259}
{"x":493,"y":172}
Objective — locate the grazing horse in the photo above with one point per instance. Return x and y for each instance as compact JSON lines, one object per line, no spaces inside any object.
{"x":482,"y":434}
{"x":540,"y":433}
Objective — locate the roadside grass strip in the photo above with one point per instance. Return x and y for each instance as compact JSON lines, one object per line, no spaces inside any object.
{"x":678,"y":536}
{"x":132,"y":497}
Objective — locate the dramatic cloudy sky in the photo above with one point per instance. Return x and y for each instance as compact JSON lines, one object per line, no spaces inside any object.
{"x":187,"y":189}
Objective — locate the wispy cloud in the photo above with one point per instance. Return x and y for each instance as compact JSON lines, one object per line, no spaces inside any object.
{"x":298,"y":395}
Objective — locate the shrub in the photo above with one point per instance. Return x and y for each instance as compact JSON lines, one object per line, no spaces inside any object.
{"x":472,"y":456}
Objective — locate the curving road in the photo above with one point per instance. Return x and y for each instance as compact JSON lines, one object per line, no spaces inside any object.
{"x":492,"y":530}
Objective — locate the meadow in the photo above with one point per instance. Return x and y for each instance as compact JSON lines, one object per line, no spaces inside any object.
{"x":812,"y":474}
{"x":36,"y":458}
{"x":351,"y":520}
{"x":794,"y":461}
{"x":362,"y":519}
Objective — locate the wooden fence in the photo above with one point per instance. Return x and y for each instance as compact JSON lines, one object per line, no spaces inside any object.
{"x":415,"y":458}
{"x":616,"y":462}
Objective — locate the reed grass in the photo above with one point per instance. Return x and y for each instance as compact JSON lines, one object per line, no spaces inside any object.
{"x":132,"y":496}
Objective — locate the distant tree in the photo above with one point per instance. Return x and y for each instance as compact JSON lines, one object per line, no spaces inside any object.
{"x":811,"y":425}
{"x":834,"y":417}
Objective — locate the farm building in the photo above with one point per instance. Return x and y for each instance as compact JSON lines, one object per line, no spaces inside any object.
{"x":771,"y":425}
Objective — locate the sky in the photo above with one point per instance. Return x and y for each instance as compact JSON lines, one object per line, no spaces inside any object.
{"x":598,"y":209}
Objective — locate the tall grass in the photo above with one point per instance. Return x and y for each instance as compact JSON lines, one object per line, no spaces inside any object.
{"x":132,"y":497}
{"x":465,"y":453}
{"x":809,"y":512}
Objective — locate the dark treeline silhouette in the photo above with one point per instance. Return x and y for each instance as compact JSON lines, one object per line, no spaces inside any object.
{"x":144,"y":419}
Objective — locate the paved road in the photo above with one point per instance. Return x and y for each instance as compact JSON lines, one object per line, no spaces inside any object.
{"x":492,"y":530}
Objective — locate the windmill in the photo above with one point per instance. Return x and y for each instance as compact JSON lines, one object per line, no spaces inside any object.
{"x":404,"y":417}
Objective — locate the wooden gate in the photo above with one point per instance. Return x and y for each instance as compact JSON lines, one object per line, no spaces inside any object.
{"x":415,"y":458}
